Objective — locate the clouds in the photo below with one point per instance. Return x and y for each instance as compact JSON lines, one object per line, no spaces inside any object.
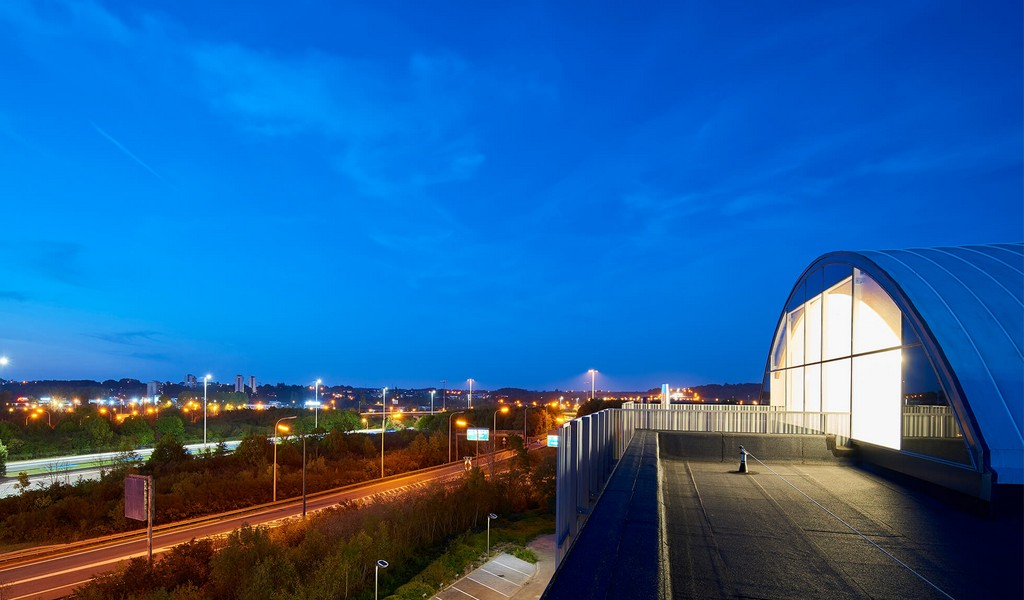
{"x":393,"y":128}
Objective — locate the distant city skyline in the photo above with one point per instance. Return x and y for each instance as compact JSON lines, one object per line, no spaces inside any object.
{"x":395,"y":195}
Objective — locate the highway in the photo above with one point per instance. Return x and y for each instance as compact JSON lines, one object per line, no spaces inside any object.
{"x":43,"y":472}
{"x":54,"y":572}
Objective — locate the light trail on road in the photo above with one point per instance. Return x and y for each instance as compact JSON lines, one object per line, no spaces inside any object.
{"x":56,"y":571}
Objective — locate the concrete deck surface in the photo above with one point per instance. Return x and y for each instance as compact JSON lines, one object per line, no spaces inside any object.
{"x":681,"y":527}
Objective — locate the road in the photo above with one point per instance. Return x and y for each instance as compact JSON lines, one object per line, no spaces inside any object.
{"x":55,"y":572}
{"x":44,"y":472}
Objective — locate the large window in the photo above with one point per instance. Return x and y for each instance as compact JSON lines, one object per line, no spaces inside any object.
{"x":844,"y":346}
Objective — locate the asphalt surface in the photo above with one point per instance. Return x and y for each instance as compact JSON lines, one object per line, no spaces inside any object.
{"x":44,"y":472}
{"x":787,"y":529}
{"x":60,"y":570}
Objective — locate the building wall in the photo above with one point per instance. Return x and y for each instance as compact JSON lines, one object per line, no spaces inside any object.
{"x":844,"y":345}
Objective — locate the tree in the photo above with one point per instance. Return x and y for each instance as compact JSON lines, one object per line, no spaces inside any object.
{"x":137,"y":430}
{"x":168,"y":452}
{"x":252,"y":451}
{"x":171,"y":425}
{"x":3,"y":459}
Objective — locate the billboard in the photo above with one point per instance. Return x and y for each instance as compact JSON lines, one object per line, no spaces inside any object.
{"x":478,"y":434}
{"x":135,"y":505}
{"x":552,"y":441}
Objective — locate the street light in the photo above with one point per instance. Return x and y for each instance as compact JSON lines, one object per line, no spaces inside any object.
{"x":432,"y":392}
{"x":303,"y":475}
{"x":494,"y":427}
{"x":206,"y":379}
{"x":490,"y":518}
{"x":276,"y":427}
{"x":381,"y":564}
{"x":471,"y":393}
{"x":450,"y":434}
{"x":316,"y":402}
{"x":593,"y":373}
{"x":383,"y":422}
{"x":35,"y":414}
{"x":526,"y":440}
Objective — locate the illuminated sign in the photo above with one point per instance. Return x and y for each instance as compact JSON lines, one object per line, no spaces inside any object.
{"x":552,"y":441}
{"x":478,"y":434}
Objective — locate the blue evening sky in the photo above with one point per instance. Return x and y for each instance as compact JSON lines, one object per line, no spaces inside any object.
{"x":395,"y":193}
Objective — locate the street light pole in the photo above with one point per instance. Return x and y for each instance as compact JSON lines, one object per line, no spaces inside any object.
{"x":206,"y":379}
{"x":494,"y":427}
{"x":276,"y":425}
{"x":383,"y":423}
{"x":490,"y":518}
{"x":432,"y":392}
{"x":450,"y":434}
{"x":526,"y":440}
{"x":303,"y":475}
{"x":470,"y":393}
{"x":316,"y":402}
{"x":381,"y":564}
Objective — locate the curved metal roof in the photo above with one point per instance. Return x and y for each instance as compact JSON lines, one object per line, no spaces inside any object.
{"x":972,"y":300}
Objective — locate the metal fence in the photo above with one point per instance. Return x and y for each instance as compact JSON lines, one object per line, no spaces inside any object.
{"x":930,"y":422}
{"x":589,"y":447}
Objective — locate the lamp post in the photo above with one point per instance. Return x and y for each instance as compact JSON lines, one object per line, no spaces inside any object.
{"x":470,"y":393}
{"x":526,"y":439}
{"x":432,"y":392}
{"x":494,"y":427}
{"x":32,"y":415}
{"x":593,"y":373}
{"x":316,"y":402}
{"x":490,"y":518}
{"x":276,"y":426}
{"x":450,"y":433}
{"x":206,"y":379}
{"x":383,"y":423}
{"x":381,"y":564}
{"x":303,"y":475}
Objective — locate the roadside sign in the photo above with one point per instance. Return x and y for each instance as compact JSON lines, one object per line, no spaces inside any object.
{"x":552,"y":441}
{"x":135,"y":504}
{"x":478,"y":434}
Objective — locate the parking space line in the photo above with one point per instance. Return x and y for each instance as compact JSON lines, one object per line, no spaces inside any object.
{"x":512,"y":568}
{"x":470,"y":577}
{"x":468,"y":594}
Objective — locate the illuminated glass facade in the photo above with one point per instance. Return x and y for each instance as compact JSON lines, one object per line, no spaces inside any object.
{"x":843,"y":345}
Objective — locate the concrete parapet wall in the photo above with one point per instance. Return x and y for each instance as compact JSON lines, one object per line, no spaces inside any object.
{"x":725,"y":447}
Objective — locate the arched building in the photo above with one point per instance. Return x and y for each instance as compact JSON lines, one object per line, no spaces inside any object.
{"x":923,"y":349}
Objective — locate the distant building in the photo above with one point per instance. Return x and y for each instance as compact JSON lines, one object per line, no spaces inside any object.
{"x":153,"y":389}
{"x":252,"y":383}
{"x":191,"y":381}
{"x":239,"y":384}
